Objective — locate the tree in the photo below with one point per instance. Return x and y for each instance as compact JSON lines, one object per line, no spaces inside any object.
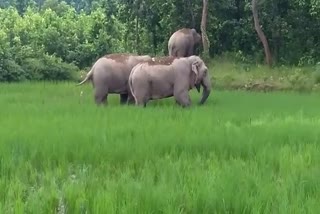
{"x":81,"y":30}
{"x":205,"y":40}
{"x":260,"y":33}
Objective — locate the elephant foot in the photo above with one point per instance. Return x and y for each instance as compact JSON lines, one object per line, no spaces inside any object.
{"x":186,"y":106}
{"x":141,"y":104}
{"x":101,"y":101}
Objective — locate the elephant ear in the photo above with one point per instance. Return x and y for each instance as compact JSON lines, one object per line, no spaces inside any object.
{"x":195,"y":70}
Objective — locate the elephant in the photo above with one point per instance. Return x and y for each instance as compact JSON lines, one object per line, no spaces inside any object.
{"x":109,"y":75}
{"x":183,"y":42}
{"x":169,"y":76}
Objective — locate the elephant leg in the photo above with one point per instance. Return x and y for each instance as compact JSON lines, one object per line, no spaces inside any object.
{"x":182,"y":98}
{"x":141,"y":101}
{"x":123,"y":99}
{"x":141,"y":97}
{"x":140,"y":91}
{"x":101,"y":95}
{"x":131,"y":99}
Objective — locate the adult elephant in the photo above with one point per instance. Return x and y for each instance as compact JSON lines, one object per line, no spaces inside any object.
{"x":183,"y":42}
{"x":109,"y":75}
{"x":169,"y":76}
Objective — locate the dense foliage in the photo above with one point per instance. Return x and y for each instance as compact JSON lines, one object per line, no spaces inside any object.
{"x":52,"y":39}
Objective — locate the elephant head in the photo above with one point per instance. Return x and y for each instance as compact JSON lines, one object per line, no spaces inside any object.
{"x":201,"y":77}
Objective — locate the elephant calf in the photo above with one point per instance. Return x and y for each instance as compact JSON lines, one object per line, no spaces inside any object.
{"x":169,"y":76}
{"x":110,"y":74}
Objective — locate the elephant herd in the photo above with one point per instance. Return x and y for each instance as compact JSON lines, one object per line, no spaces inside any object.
{"x":140,"y":78}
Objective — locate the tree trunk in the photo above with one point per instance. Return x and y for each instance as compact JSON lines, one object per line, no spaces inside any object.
{"x":205,"y":40}
{"x":260,"y":33}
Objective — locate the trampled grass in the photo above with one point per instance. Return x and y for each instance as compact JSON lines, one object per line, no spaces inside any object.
{"x":241,"y":152}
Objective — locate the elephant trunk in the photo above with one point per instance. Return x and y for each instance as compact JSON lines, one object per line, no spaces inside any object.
{"x":206,"y":84}
{"x":198,"y":87}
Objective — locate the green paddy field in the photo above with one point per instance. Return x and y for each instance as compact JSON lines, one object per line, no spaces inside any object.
{"x":242,"y":152}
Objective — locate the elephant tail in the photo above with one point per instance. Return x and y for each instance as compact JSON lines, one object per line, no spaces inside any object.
{"x":89,"y":75}
{"x":130,"y":84}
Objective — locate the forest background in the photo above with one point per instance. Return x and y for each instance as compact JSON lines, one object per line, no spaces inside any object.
{"x":55,"y":40}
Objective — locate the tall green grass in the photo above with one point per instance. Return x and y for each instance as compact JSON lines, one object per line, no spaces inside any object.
{"x":242,"y":152}
{"x":238,"y":74}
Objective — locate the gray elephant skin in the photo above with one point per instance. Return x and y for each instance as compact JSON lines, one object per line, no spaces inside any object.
{"x":169,"y":76}
{"x":183,"y":42}
{"x":109,"y":75}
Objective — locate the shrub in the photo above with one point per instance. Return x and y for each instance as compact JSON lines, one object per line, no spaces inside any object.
{"x":49,"y":68}
{"x":10,"y":71}
{"x":300,"y":81}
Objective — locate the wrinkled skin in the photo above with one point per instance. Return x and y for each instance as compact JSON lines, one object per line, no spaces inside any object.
{"x":169,"y":76}
{"x":109,"y":75}
{"x":183,"y":42}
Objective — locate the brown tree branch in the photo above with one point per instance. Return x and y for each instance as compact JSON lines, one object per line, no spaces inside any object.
{"x":205,"y":40}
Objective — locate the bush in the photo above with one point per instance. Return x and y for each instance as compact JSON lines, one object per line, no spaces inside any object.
{"x":49,"y":68}
{"x":10,"y":71}
{"x":45,"y":68}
